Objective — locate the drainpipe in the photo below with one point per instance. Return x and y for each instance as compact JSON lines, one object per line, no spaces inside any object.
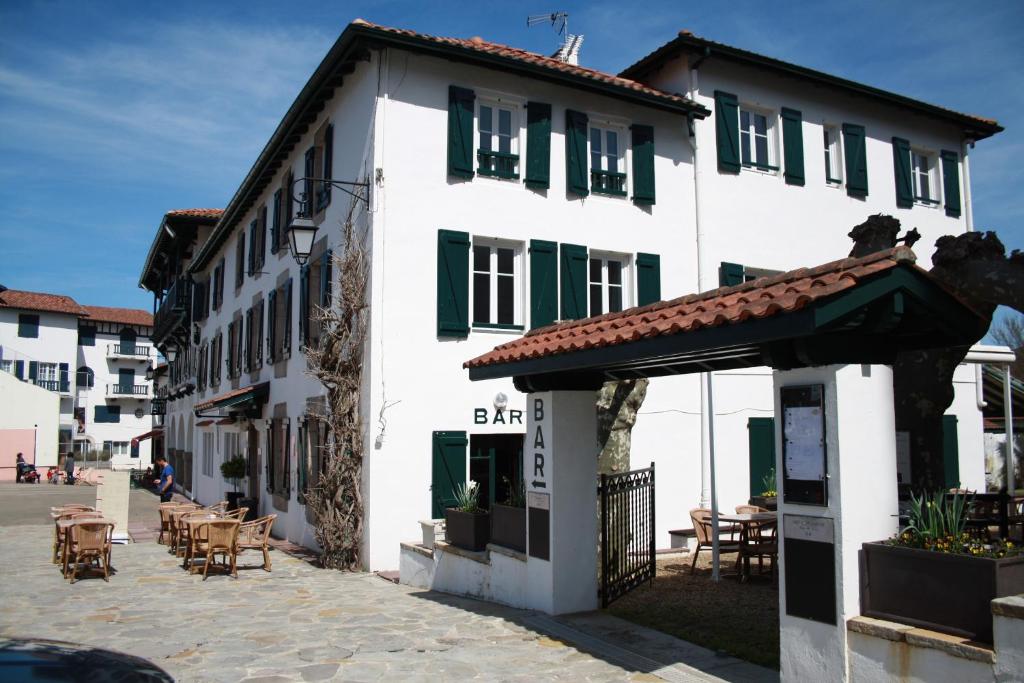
{"x":979,"y":393}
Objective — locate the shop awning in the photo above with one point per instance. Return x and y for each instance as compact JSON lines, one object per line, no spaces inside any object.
{"x":244,"y":399}
{"x":147,"y":435}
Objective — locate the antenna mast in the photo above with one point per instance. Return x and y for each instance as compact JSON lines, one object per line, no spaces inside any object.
{"x":570,"y":48}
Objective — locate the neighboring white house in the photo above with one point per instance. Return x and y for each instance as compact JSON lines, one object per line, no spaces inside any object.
{"x":504,"y":190}
{"x":94,"y":358}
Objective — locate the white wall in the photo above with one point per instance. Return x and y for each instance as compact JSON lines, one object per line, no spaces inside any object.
{"x":24,"y":406}
{"x":58,"y":337}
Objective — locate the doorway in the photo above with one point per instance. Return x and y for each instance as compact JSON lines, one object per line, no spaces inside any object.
{"x":496,"y":464}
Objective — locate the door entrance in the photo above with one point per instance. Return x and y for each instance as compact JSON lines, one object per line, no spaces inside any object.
{"x":254,"y":462}
{"x":496,"y":464}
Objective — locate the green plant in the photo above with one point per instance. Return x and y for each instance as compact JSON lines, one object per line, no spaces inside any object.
{"x":233,"y":470}
{"x":467,"y":497}
{"x":937,"y":515}
{"x":516,"y":492}
{"x":768,"y":483}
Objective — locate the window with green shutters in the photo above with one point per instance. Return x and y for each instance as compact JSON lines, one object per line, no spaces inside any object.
{"x":452,"y":283}
{"x":643,"y":164}
{"x":448,"y":470}
{"x":460,"y":132}
{"x":303,"y":303}
{"x":538,"y":145}
{"x":498,"y":127}
{"x":573,"y":262}
{"x":28,"y":325}
{"x":275,"y":223}
{"x":727,"y":131}
{"x":855,"y":155}
{"x":951,"y":182}
{"x":64,"y":377}
{"x":543,"y":283}
{"x":87,"y":335}
{"x":240,"y":261}
{"x":286,"y":315}
{"x":950,"y":451}
{"x":793,"y":146}
{"x":761,"y":453}
{"x":576,"y":176}
{"x":272,"y":338}
{"x":107,"y":414}
{"x":901,"y":170}
{"x":648,"y":279}
{"x":730,"y":274}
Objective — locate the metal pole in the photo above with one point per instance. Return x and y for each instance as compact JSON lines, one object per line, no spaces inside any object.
{"x":1011,"y":459}
{"x":714,"y":488}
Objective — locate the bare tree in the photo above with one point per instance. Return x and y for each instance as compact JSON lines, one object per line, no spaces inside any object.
{"x":1010,"y":332}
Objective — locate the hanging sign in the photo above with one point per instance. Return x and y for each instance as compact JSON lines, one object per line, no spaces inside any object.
{"x":805,"y":466}
{"x":536,"y":473}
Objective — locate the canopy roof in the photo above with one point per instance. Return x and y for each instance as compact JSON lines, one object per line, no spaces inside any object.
{"x":239,"y":399}
{"x":855,"y":310}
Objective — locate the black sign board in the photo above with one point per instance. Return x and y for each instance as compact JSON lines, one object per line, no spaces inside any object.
{"x":538,"y":506}
{"x":810,"y":555}
{"x":804,"y":454}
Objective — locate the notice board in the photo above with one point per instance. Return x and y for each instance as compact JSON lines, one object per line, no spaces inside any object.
{"x":804,"y":455}
{"x":809,"y":545}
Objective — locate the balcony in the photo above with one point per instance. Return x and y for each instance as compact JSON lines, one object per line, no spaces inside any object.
{"x":137,"y":391}
{"x":52,"y":385}
{"x":173,"y":314}
{"x":129,"y":351}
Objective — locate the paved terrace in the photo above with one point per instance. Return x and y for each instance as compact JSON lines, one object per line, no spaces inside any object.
{"x":301,"y":623}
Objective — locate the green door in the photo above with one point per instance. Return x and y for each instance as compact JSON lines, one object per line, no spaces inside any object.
{"x":449,"y":470}
{"x":950,"y":452}
{"x":761,"y":436}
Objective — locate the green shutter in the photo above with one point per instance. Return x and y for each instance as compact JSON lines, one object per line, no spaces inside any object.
{"x":901,"y":170}
{"x":730,"y":274}
{"x":648,"y":279}
{"x":452,"y":283}
{"x":643,"y":164}
{"x":543,"y":283}
{"x":950,"y":452}
{"x":275,"y":224}
{"x":460,"y":132}
{"x":793,"y":146}
{"x":33,"y":370}
{"x":727,"y":131}
{"x":951,"y":182}
{"x":271,"y":325}
{"x":855,"y":154}
{"x":286,"y":343}
{"x":576,"y":153}
{"x":64,"y":377}
{"x":448,"y":470}
{"x":303,"y":303}
{"x":19,"y":369}
{"x":28,"y":325}
{"x":326,"y":274}
{"x":574,"y":281}
{"x":761,"y":440}
{"x":538,"y":145}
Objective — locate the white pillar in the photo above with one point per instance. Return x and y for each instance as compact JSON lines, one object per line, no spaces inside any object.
{"x":560,"y":471}
{"x":860,"y":440}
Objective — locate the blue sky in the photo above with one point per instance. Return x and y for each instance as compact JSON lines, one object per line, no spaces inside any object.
{"x":112,"y":113}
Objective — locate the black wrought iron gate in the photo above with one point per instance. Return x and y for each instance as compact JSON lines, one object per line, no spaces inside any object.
{"x":627,"y":532}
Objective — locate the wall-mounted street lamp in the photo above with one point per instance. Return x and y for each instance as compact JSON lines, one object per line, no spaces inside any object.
{"x":149,"y":373}
{"x":170,"y":353}
{"x":301,"y":234}
{"x":302,"y":230}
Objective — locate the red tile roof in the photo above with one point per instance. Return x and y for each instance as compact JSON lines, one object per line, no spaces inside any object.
{"x":196,"y":213}
{"x":127,"y":316}
{"x":480,"y":45}
{"x":40,"y":301}
{"x":768,"y":296}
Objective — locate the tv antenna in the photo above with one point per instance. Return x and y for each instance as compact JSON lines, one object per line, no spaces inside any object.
{"x":560,"y":18}
{"x":569,"y":50}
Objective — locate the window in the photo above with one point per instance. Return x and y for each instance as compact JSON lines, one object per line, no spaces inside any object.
{"x":275,"y":223}
{"x":87,"y":335}
{"x":756,"y":149}
{"x":231,"y":446}
{"x":278,"y":438}
{"x":28,"y":325}
{"x":496,"y":296}
{"x":218,"y":284}
{"x":7,"y":366}
{"x":240,"y":261}
{"x":232,"y":345}
{"x":209,"y":444}
{"x":109,"y":414}
{"x":85,"y":377}
{"x":833,"y":163}
{"x":115,"y":448}
{"x":607,"y":161}
{"x":923,"y":173}
{"x":498,"y":151}
{"x":607,"y":288}
{"x":216,"y":355}
{"x":47,"y":372}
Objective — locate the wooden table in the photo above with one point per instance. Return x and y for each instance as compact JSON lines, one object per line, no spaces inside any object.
{"x":748,"y":521}
{"x":64,"y":527}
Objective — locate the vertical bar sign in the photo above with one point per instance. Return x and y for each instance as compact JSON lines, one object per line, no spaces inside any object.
{"x":536,"y":473}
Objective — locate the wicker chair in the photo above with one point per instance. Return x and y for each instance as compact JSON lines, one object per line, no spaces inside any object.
{"x":219,"y":508}
{"x":58,"y":533}
{"x":761,"y":543}
{"x":218,"y":537}
{"x":701,"y":518}
{"x":237,"y":514}
{"x":91,"y":542}
{"x":191,"y":524}
{"x":255,"y":535}
{"x":165,"y":520}
{"x":750,"y":509}
{"x":178,"y":528}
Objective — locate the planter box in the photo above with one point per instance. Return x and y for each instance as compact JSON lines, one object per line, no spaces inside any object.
{"x":508,"y":527}
{"x":254,"y":508}
{"x":766,"y":502}
{"x":232,"y":497}
{"x":467,"y":530}
{"x":938,"y":591}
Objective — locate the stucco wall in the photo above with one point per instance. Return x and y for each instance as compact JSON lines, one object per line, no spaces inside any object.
{"x":27,"y":407}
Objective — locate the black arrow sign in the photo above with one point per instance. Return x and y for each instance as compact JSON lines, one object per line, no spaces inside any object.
{"x":538,"y":485}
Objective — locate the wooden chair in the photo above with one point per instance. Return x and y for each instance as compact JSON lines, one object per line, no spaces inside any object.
{"x":255,"y":535}
{"x":761,"y":542}
{"x":91,"y":542}
{"x":750,"y":509}
{"x":701,"y":518}
{"x":177,"y":526}
{"x":190,"y":526}
{"x":219,"y":537}
{"x":165,"y":520}
{"x":237,"y":513}
{"x":58,"y":533}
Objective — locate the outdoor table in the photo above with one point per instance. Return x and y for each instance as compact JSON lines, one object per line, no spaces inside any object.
{"x":195,"y":520}
{"x":64,"y":527}
{"x":747,"y":521}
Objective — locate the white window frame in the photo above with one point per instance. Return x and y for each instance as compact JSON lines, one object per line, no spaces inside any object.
{"x":517,"y":106}
{"x":7,"y":366}
{"x":627,"y":279}
{"x":934,"y":200}
{"x":119,"y":448}
{"x":833,"y":174}
{"x":519,"y":249}
{"x":46,"y":372}
{"x":771,"y":118}
{"x":607,"y":124}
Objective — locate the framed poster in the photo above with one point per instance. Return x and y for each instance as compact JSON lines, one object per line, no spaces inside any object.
{"x":804,"y":456}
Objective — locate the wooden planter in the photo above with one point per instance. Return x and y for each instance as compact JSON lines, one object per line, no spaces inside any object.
{"x":508,"y":527}
{"x":766,"y":502}
{"x":938,"y":591}
{"x":467,"y":530}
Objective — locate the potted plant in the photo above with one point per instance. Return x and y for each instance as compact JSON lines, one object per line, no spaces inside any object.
{"x":234,"y":470}
{"x":467,"y":525}
{"x":935,"y":574}
{"x":508,"y":519}
{"x":768,"y":498}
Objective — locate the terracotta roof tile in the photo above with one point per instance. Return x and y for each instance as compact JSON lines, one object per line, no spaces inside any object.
{"x":127,"y":316}
{"x":40,"y":301}
{"x":212,"y":402}
{"x":196,"y":213}
{"x":762,"y":298}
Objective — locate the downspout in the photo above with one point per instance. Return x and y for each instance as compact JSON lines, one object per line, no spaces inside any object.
{"x":979,"y":389}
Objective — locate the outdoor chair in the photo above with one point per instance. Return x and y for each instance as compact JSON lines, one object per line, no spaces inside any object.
{"x":176,"y":527}
{"x":750,"y":509}
{"x":220,"y":507}
{"x":237,"y":513}
{"x":761,"y":542}
{"x":218,"y":537}
{"x":58,"y":535}
{"x":165,"y":520}
{"x":189,"y":527}
{"x":255,"y":535}
{"x":701,"y":518}
{"x":91,"y":542}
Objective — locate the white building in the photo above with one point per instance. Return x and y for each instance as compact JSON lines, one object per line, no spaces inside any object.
{"x":95,"y":359}
{"x":507,"y":190}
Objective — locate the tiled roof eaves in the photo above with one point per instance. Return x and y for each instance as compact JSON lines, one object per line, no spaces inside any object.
{"x":185,"y":215}
{"x":978,"y":127}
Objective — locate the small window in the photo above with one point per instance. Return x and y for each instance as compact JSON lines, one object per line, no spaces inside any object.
{"x":87,"y":335}
{"x":85,"y":378}
{"x":607,"y":161}
{"x":607,"y":284}
{"x":923,"y":173}
{"x":833,"y":161}
{"x":47,"y":372}
{"x":498,"y":150}
{"x":28,"y":325}
{"x":7,"y":366}
{"x":107,"y":414}
{"x":496,"y":289}
{"x":757,"y":150}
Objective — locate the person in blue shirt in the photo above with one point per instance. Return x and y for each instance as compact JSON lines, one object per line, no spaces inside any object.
{"x":165,"y":484}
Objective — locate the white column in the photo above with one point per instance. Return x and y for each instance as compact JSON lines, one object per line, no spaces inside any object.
{"x":560,"y":471}
{"x":860,"y":439}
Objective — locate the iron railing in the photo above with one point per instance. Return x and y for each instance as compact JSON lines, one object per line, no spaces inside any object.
{"x":133,"y":350}
{"x":627,"y":532}
{"x":608,"y":182}
{"x":127,"y":390}
{"x":174,"y":310}
{"x":497,"y":164}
